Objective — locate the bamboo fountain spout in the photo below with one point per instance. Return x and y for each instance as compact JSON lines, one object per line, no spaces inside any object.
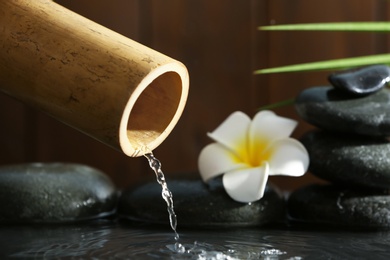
{"x":112,"y":88}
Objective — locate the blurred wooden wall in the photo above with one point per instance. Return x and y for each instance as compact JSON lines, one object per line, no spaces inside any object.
{"x":219,"y":43}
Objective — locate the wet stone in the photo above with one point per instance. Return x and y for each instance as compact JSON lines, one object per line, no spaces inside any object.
{"x":340,"y":207}
{"x":199,"y":205}
{"x":350,"y":160}
{"x":327,"y":108}
{"x":54,"y":192}
{"x":362,"y":81}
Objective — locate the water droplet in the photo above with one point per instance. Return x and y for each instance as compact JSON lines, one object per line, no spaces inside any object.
{"x":339,"y":205}
{"x":231,"y":251}
{"x":179,"y":248}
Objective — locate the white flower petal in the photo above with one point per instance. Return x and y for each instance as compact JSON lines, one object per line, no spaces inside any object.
{"x":266,"y":125}
{"x":215,"y":160}
{"x":246,"y":185}
{"x":233,"y":131}
{"x":289,"y":157}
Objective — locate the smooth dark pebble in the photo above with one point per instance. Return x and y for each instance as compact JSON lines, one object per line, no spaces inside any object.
{"x":331,"y":205}
{"x":349,"y":160}
{"x":326,"y":108}
{"x":361,"y":81}
{"x":200,"y":205}
{"x":54,"y":192}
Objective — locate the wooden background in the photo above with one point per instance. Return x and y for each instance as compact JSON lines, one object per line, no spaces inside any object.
{"x":219,"y":43}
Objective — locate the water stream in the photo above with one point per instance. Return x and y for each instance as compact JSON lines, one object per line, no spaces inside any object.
{"x":166,"y":194}
{"x":155,"y":165}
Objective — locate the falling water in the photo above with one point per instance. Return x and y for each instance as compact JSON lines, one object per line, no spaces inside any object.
{"x":155,"y":164}
{"x":195,"y":250}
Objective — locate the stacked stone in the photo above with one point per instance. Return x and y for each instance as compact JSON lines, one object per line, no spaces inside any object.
{"x":350,"y":149}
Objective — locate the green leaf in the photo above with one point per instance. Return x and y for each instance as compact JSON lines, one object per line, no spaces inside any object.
{"x":346,"y":26}
{"x":277,"y":104}
{"x":330,"y":64}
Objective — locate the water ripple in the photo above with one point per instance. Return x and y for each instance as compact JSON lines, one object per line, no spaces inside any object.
{"x":128,"y":241}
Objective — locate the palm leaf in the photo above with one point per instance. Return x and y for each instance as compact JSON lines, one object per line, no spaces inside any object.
{"x":330,"y":64}
{"x":277,"y":104}
{"x":375,"y":27}
{"x":346,"y":26}
{"x":335,"y":63}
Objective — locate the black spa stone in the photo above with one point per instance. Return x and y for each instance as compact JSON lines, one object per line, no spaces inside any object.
{"x":349,"y":159}
{"x":362,"y":81}
{"x":333,"y":205}
{"x":327,"y":108}
{"x":54,"y":192}
{"x":199,"y":205}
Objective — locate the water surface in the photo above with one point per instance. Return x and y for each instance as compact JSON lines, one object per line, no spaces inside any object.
{"x":111,"y":239}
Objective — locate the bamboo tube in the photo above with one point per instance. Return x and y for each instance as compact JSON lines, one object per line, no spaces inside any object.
{"x":111,"y":88}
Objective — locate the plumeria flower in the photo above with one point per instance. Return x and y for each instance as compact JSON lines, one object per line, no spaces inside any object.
{"x":247,"y":152}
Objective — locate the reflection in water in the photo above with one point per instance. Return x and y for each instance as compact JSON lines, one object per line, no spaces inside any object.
{"x":106,"y":239}
{"x":51,"y":241}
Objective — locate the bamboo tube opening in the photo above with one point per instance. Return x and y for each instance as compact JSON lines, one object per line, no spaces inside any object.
{"x":152,"y":113}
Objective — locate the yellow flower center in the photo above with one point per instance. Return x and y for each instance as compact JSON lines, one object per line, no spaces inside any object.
{"x":255,"y":153}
